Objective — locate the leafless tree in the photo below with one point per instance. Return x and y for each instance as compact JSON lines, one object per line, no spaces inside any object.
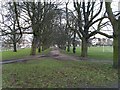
{"x":115,"y":24}
{"x":87,"y":17}
{"x":10,"y":25}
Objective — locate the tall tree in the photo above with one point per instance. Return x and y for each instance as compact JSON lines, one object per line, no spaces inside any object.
{"x":115,"y":24}
{"x":70,"y":22}
{"x":41,"y":15}
{"x":86,"y":18}
{"x":60,"y":36}
{"x":68,"y":31}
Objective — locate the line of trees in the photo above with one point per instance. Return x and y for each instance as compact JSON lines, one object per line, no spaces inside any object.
{"x":52,"y":25}
{"x":87,"y":17}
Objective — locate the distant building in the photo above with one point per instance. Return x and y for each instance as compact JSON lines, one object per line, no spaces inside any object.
{"x":24,"y":44}
{"x":101,"y":42}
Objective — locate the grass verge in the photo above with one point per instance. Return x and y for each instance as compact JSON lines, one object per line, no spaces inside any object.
{"x":6,"y":55}
{"x":50,"y":73}
{"x":100,"y":53}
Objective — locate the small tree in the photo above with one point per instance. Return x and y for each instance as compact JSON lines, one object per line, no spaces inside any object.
{"x":10,"y":23}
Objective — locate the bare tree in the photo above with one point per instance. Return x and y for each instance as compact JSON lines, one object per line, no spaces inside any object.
{"x":71,"y":32}
{"x":10,"y":23}
{"x":40,"y":15}
{"x":86,"y":18}
{"x":60,"y":36}
{"x":68,"y":31}
{"x":115,"y":24}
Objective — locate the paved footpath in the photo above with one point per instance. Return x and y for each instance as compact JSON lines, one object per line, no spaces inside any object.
{"x":22,"y":59}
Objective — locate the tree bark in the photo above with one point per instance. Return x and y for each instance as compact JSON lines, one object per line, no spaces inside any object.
{"x":34,"y":46}
{"x":84,"y":48}
{"x":116,"y":31}
{"x":14,"y":42}
{"x":115,"y":51}
{"x":74,"y":48}
{"x":39,"y":49}
{"x":68,"y":46}
{"x":14,"y":47}
{"x":116,"y":44}
{"x":74,"y":44}
{"x":119,"y":45}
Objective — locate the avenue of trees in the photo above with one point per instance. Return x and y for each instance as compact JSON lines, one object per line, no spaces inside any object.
{"x":50,"y":24}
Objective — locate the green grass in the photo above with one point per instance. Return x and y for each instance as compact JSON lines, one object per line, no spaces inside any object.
{"x":96,"y":52}
{"x":6,"y":55}
{"x":93,"y":52}
{"x":51,"y":73}
{"x":13,"y":55}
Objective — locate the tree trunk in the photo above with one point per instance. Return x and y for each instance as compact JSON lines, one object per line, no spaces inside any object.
{"x":116,"y":31}
{"x":74,"y":49}
{"x":14,"y":47}
{"x":14,"y":43}
{"x":119,"y":44}
{"x":84,"y":48}
{"x":115,"y":51}
{"x":39,"y":47}
{"x":115,"y":44}
{"x":34,"y":46}
{"x":68,"y":46}
{"x":74,"y":44}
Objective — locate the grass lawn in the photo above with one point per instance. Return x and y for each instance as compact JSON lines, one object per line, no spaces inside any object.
{"x":93,"y":52}
{"x":97,"y":52}
{"x":52,"y":73}
{"x":12,"y":55}
{"x":6,"y":55}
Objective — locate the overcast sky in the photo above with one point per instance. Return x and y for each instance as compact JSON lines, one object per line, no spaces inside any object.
{"x":114,"y":6}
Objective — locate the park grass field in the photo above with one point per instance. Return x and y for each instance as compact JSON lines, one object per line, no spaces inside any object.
{"x":93,"y":52}
{"x":6,"y":55}
{"x":100,"y":53}
{"x":50,"y":73}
